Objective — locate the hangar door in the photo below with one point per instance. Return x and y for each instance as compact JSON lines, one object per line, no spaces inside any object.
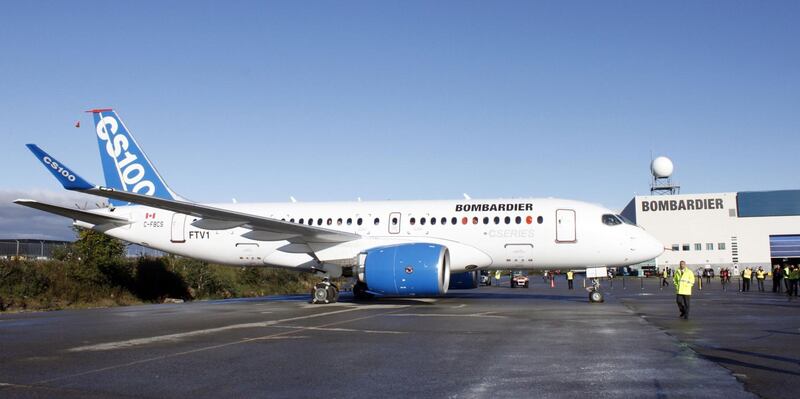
{"x":785,"y":246}
{"x":565,"y":225}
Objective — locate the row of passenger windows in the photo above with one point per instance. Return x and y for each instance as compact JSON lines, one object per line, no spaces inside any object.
{"x":422,"y":221}
{"x":698,"y":247}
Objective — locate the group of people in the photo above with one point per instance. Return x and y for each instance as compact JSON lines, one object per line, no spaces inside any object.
{"x":790,"y":274}
{"x":684,"y":279}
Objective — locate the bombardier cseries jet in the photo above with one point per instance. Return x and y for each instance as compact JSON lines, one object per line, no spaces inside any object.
{"x":391,"y":248}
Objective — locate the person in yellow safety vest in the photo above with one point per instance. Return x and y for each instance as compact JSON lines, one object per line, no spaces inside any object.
{"x":570,"y":276}
{"x":760,"y":276}
{"x":497,"y":277}
{"x":664,"y":275}
{"x":786,"y":272}
{"x":683,"y":279}
{"x":746,"y":274}
{"x":794,"y":279}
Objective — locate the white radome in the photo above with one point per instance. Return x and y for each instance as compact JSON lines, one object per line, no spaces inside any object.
{"x":662,"y":167}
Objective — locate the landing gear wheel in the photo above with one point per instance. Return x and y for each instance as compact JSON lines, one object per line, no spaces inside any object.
{"x":324,"y":292}
{"x":360,"y":291}
{"x":526,"y":285}
{"x":512,"y":284}
{"x":595,"y":297}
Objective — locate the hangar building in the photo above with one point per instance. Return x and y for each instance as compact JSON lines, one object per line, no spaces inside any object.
{"x":735,"y":230}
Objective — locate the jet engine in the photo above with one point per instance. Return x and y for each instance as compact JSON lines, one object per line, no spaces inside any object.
{"x":406,"y":269}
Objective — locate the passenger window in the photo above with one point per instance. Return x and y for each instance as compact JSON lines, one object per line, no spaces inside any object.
{"x":283,"y":219}
{"x":474,"y":220}
{"x":310,"y":221}
{"x":359,"y":221}
{"x":611,"y":220}
{"x":518,"y":220}
{"x":422,"y":221}
{"x":330,"y":221}
{"x":540,"y":220}
{"x":508,"y":220}
{"x":319,"y":222}
{"x":464,"y":220}
{"x":301,"y":221}
{"x":412,"y":221}
{"x":454,"y":220}
{"x":349,"y":221}
{"x":394,"y":221}
{"x":433,"y":220}
{"x":485,"y":220}
{"x":529,"y":219}
{"x":377,"y":221}
{"x":291,"y":220}
{"x":496,"y":220}
{"x":339,"y":222}
{"x":444,"y":220}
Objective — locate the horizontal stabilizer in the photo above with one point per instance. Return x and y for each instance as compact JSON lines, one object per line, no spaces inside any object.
{"x":77,"y":214}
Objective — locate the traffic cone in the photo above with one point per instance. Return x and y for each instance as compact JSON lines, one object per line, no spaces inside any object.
{"x":552,"y":282}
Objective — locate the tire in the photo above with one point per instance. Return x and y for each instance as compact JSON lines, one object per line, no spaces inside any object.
{"x":512,"y":284}
{"x":320,"y":294}
{"x":333,"y":294}
{"x":595,"y":297}
{"x":526,"y":285}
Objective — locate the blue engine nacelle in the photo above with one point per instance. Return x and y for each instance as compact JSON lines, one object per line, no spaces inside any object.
{"x":406,"y":269}
{"x":464,"y":281}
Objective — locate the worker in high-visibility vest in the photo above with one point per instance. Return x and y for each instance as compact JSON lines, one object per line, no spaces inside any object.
{"x":497,"y":275}
{"x":746,"y":275}
{"x":570,"y":276}
{"x":760,"y":276}
{"x":683,"y":279}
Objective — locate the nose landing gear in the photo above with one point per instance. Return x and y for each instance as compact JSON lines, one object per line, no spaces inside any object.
{"x":595,"y":296}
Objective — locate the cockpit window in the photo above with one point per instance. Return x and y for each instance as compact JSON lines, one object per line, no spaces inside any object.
{"x":611,"y":220}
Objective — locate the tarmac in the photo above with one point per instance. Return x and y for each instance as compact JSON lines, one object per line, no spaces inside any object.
{"x":491,"y":342}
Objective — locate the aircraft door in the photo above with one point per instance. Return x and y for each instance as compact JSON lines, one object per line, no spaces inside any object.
{"x":565,"y":226}
{"x":394,"y":223}
{"x":178,"y":227}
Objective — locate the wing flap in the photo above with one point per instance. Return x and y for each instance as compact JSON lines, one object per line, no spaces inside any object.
{"x":76,"y":214}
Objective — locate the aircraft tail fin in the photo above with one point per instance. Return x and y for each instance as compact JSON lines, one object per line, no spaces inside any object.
{"x":125,"y":165}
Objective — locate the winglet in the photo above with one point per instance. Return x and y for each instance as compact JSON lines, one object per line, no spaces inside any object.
{"x":65,"y":176}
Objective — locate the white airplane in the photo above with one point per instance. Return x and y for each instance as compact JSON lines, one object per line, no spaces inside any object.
{"x":392,"y":248}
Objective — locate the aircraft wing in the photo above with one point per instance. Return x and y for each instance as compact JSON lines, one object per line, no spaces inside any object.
{"x":76,"y":214}
{"x":262,"y":228}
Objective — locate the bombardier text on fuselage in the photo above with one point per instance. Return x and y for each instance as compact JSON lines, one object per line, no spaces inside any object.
{"x":391,"y":248}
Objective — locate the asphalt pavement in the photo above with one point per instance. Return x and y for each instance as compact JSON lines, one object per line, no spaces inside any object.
{"x":491,"y":342}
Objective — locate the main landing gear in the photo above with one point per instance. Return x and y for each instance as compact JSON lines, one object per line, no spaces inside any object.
{"x":595,"y":296}
{"x":325,"y":292}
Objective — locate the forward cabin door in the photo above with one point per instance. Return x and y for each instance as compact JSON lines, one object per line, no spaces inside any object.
{"x":178,"y":227}
{"x":394,"y":223}
{"x":565,"y":225}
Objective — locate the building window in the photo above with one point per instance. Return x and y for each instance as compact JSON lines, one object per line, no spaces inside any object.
{"x":721,"y":246}
{"x":675,"y":247}
{"x":698,"y":247}
{"x":686,"y":247}
{"x":709,"y":246}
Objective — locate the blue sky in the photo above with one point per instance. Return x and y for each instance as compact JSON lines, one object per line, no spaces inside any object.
{"x":333,"y":100}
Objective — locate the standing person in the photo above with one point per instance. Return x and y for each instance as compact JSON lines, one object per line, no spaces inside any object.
{"x":683,"y":279}
{"x":746,"y":274}
{"x":708,"y":271}
{"x":664,"y":274}
{"x":786,"y":272}
{"x":724,"y":277}
{"x":794,"y":277}
{"x":497,"y":276}
{"x":570,"y":276}
{"x":777,"y":274}
{"x":760,"y":275}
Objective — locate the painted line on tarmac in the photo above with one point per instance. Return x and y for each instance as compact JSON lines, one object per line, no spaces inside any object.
{"x":485,"y":314}
{"x":343,"y":330}
{"x":179,"y":336}
{"x":207,"y":348}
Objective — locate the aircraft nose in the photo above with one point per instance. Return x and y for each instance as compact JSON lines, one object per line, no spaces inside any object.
{"x":652,"y":247}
